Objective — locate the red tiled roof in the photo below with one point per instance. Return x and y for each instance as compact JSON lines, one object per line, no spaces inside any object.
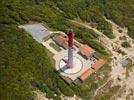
{"x":98,"y":64}
{"x":65,"y":44}
{"x":89,"y":71}
{"x":86,"y":50}
{"x":86,"y":73}
{"x":61,"y":40}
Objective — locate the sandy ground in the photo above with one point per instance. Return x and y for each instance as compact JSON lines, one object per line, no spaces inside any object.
{"x":111,"y":44}
{"x":42,"y":96}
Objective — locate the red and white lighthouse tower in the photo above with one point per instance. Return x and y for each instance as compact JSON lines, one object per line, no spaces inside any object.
{"x":70,"y":64}
{"x":70,"y":49}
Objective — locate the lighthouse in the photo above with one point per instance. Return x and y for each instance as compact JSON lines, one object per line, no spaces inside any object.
{"x":70,"y":62}
{"x":70,"y":49}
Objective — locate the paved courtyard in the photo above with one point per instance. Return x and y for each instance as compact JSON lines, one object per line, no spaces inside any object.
{"x":86,"y":63}
{"x":38,"y":31}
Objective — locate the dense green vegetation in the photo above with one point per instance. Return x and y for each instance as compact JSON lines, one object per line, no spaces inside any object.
{"x":121,"y":12}
{"x":24,"y":63}
{"x":25,"y":66}
{"x":87,"y":10}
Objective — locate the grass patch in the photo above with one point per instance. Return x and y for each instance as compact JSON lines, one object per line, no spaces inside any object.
{"x":55,"y":46}
{"x":50,"y":54}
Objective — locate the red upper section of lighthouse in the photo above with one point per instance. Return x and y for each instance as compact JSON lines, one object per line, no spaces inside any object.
{"x":70,"y":38}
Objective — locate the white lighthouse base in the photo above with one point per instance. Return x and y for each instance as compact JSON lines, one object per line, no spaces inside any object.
{"x":77,"y":66}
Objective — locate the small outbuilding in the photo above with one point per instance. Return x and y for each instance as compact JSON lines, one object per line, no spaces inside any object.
{"x":61,"y":40}
{"x":86,"y":74}
{"x":98,"y":64}
{"x":86,"y":51}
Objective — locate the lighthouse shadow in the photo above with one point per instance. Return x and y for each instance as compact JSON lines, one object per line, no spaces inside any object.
{"x":62,"y":69}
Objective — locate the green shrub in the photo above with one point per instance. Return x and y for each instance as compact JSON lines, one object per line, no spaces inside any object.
{"x":120,"y":31}
{"x":125,"y":44}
